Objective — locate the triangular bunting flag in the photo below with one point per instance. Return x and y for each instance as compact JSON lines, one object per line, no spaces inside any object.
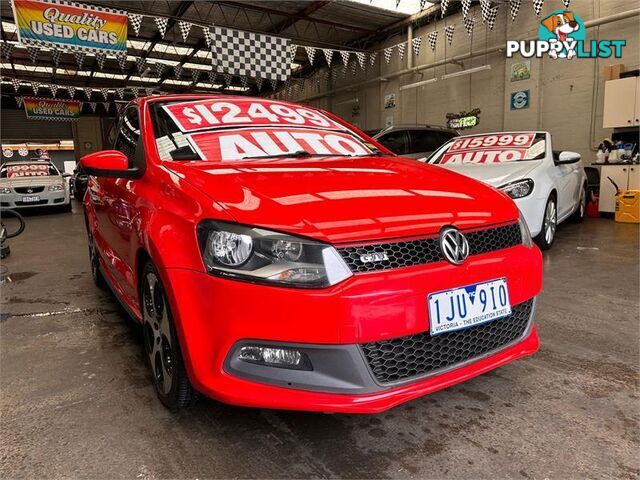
{"x":401,"y":48}
{"x":16,"y":84}
{"x":372,"y":58}
{"x":415,"y":45}
{"x":448,"y":32}
{"x":6,"y":49}
{"x":300,"y":85}
{"x":195,"y":75}
{"x":292,"y":52}
{"x":328,"y":55}
{"x":259,"y":82}
{"x":80,"y":58}
{"x":100,"y":59}
{"x":35,"y":87}
{"x":422,"y":4}
{"x":207,"y":36}
{"x":120,"y":92}
{"x":485,"y":6}
{"x":344,"y":54}
{"x":212,"y":77}
{"x":161,"y":23}
{"x":88,"y":91}
{"x":468,"y":25}
{"x":311,"y":53}
{"x":514,"y":8}
{"x":159,"y":68}
{"x":491,"y":17}
{"x":135,"y":20}
{"x":177,"y":71}
{"x":105,"y":93}
{"x":141,"y":64}
{"x":54,"y":90}
{"x":55,"y":56}
{"x":122,"y":61}
{"x":387,"y":54}
{"x":72,"y":91}
{"x":537,"y":6}
{"x":136,"y":91}
{"x":432,"y":39}
{"x":443,"y":7}
{"x":106,"y":106}
{"x":466,"y":4}
{"x":274,"y":84}
{"x":185,"y":28}
{"x":93,"y":106}
{"x":33,"y":54}
{"x":19,"y":101}
{"x":228,"y":78}
{"x":362,"y":59}
{"x":148,"y":91}
{"x":244,"y":81}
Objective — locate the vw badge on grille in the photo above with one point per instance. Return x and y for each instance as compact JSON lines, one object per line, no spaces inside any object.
{"x":454,"y":245}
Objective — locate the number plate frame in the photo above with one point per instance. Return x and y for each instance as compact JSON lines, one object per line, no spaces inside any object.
{"x":474,"y":320}
{"x":31,"y":199}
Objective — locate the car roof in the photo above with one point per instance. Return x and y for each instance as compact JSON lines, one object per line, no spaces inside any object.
{"x":437,"y":128}
{"x":21,"y":161}
{"x":484,"y":134}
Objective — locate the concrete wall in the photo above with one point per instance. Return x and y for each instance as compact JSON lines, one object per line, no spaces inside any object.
{"x":566,"y":96}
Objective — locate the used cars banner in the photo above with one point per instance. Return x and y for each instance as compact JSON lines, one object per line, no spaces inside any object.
{"x":51,"y":109}
{"x":70,"y":26}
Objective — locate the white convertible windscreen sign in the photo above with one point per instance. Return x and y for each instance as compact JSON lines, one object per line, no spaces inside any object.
{"x":491,"y":148}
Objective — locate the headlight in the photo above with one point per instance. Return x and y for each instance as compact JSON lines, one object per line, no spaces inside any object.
{"x":56,"y":188}
{"x":524,"y":231}
{"x":5,"y":190}
{"x":259,"y":255}
{"x":518,"y":189}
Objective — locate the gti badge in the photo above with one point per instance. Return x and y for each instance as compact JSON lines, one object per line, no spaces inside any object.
{"x":454,"y":245}
{"x":374,"y":257}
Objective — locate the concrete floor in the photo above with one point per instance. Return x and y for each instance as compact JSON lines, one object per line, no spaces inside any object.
{"x":77,"y":400}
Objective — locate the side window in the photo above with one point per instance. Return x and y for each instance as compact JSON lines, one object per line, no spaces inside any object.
{"x":128,"y":133}
{"x":396,"y":142}
{"x":427,"y":140}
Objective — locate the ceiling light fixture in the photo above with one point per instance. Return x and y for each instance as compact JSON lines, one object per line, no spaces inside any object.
{"x":466,"y":72}
{"x":418,"y":84}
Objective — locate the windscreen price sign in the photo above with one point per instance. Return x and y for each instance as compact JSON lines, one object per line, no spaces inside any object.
{"x":489,"y":148}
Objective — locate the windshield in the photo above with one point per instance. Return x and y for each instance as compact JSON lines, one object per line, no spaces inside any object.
{"x":36,"y":169}
{"x":492,"y":149}
{"x":229,"y":130}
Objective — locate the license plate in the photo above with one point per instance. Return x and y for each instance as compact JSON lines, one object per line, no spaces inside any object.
{"x":464,"y":307}
{"x":34,"y":198}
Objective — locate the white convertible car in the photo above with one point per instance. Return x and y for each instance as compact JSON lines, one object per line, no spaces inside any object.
{"x":548,"y":186}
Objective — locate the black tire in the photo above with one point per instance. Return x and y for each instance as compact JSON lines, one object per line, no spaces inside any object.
{"x":96,"y":274}
{"x":547,"y":235}
{"x":581,"y":211}
{"x":161,"y":344}
{"x":66,"y":208}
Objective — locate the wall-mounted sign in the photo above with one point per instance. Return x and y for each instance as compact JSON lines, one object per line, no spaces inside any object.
{"x":520,"y":100}
{"x":521,"y":71}
{"x":463,"y":120}
{"x":390,"y":100}
{"x":388,"y":122}
{"x":51,"y":109}
{"x":7,"y":152}
{"x":70,"y":26}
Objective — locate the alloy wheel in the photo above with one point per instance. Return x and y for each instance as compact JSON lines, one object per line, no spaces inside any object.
{"x":157,"y":333}
{"x":550,"y":221}
{"x":583,"y":203}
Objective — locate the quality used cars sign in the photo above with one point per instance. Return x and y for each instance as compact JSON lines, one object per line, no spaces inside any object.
{"x":562,"y":34}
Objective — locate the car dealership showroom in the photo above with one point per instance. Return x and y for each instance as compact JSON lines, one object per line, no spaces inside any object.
{"x":320,"y":239}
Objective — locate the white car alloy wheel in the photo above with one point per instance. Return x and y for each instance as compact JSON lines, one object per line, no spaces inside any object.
{"x":550,"y":221}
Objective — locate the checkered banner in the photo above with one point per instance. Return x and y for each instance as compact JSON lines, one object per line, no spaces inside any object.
{"x":249,"y":54}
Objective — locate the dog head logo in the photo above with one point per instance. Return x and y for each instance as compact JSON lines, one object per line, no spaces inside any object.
{"x":564,"y":29}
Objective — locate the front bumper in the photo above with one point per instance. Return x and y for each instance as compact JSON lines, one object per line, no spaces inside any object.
{"x":45,"y":199}
{"x":532,"y":208}
{"x":215,"y":315}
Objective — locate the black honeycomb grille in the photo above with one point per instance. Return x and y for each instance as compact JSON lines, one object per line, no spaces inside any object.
{"x":419,"y":252}
{"x":420,"y":354}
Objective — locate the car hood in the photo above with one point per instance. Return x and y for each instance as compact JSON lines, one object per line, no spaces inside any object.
{"x":31,"y":181}
{"x":496,"y":174}
{"x":342,"y":200}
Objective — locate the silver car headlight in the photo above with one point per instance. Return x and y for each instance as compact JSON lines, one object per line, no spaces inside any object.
{"x":524,"y":231}
{"x":5,"y":190}
{"x":260,"y":255}
{"x":56,"y":188}
{"x":518,"y":189}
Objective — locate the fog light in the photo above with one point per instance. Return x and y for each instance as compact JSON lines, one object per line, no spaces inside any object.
{"x":275,"y":357}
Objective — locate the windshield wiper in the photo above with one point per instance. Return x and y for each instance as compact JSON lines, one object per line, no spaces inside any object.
{"x":298,"y":154}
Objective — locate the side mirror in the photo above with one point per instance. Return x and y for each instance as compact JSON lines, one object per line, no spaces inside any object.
{"x":567,"y":157}
{"x":108,"y":163}
{"x":66,"y":175}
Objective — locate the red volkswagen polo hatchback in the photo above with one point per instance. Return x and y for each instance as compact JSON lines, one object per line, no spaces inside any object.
{"x":277,"y":257}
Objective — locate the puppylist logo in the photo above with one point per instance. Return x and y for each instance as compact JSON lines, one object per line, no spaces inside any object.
{"x":562,"y":34}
